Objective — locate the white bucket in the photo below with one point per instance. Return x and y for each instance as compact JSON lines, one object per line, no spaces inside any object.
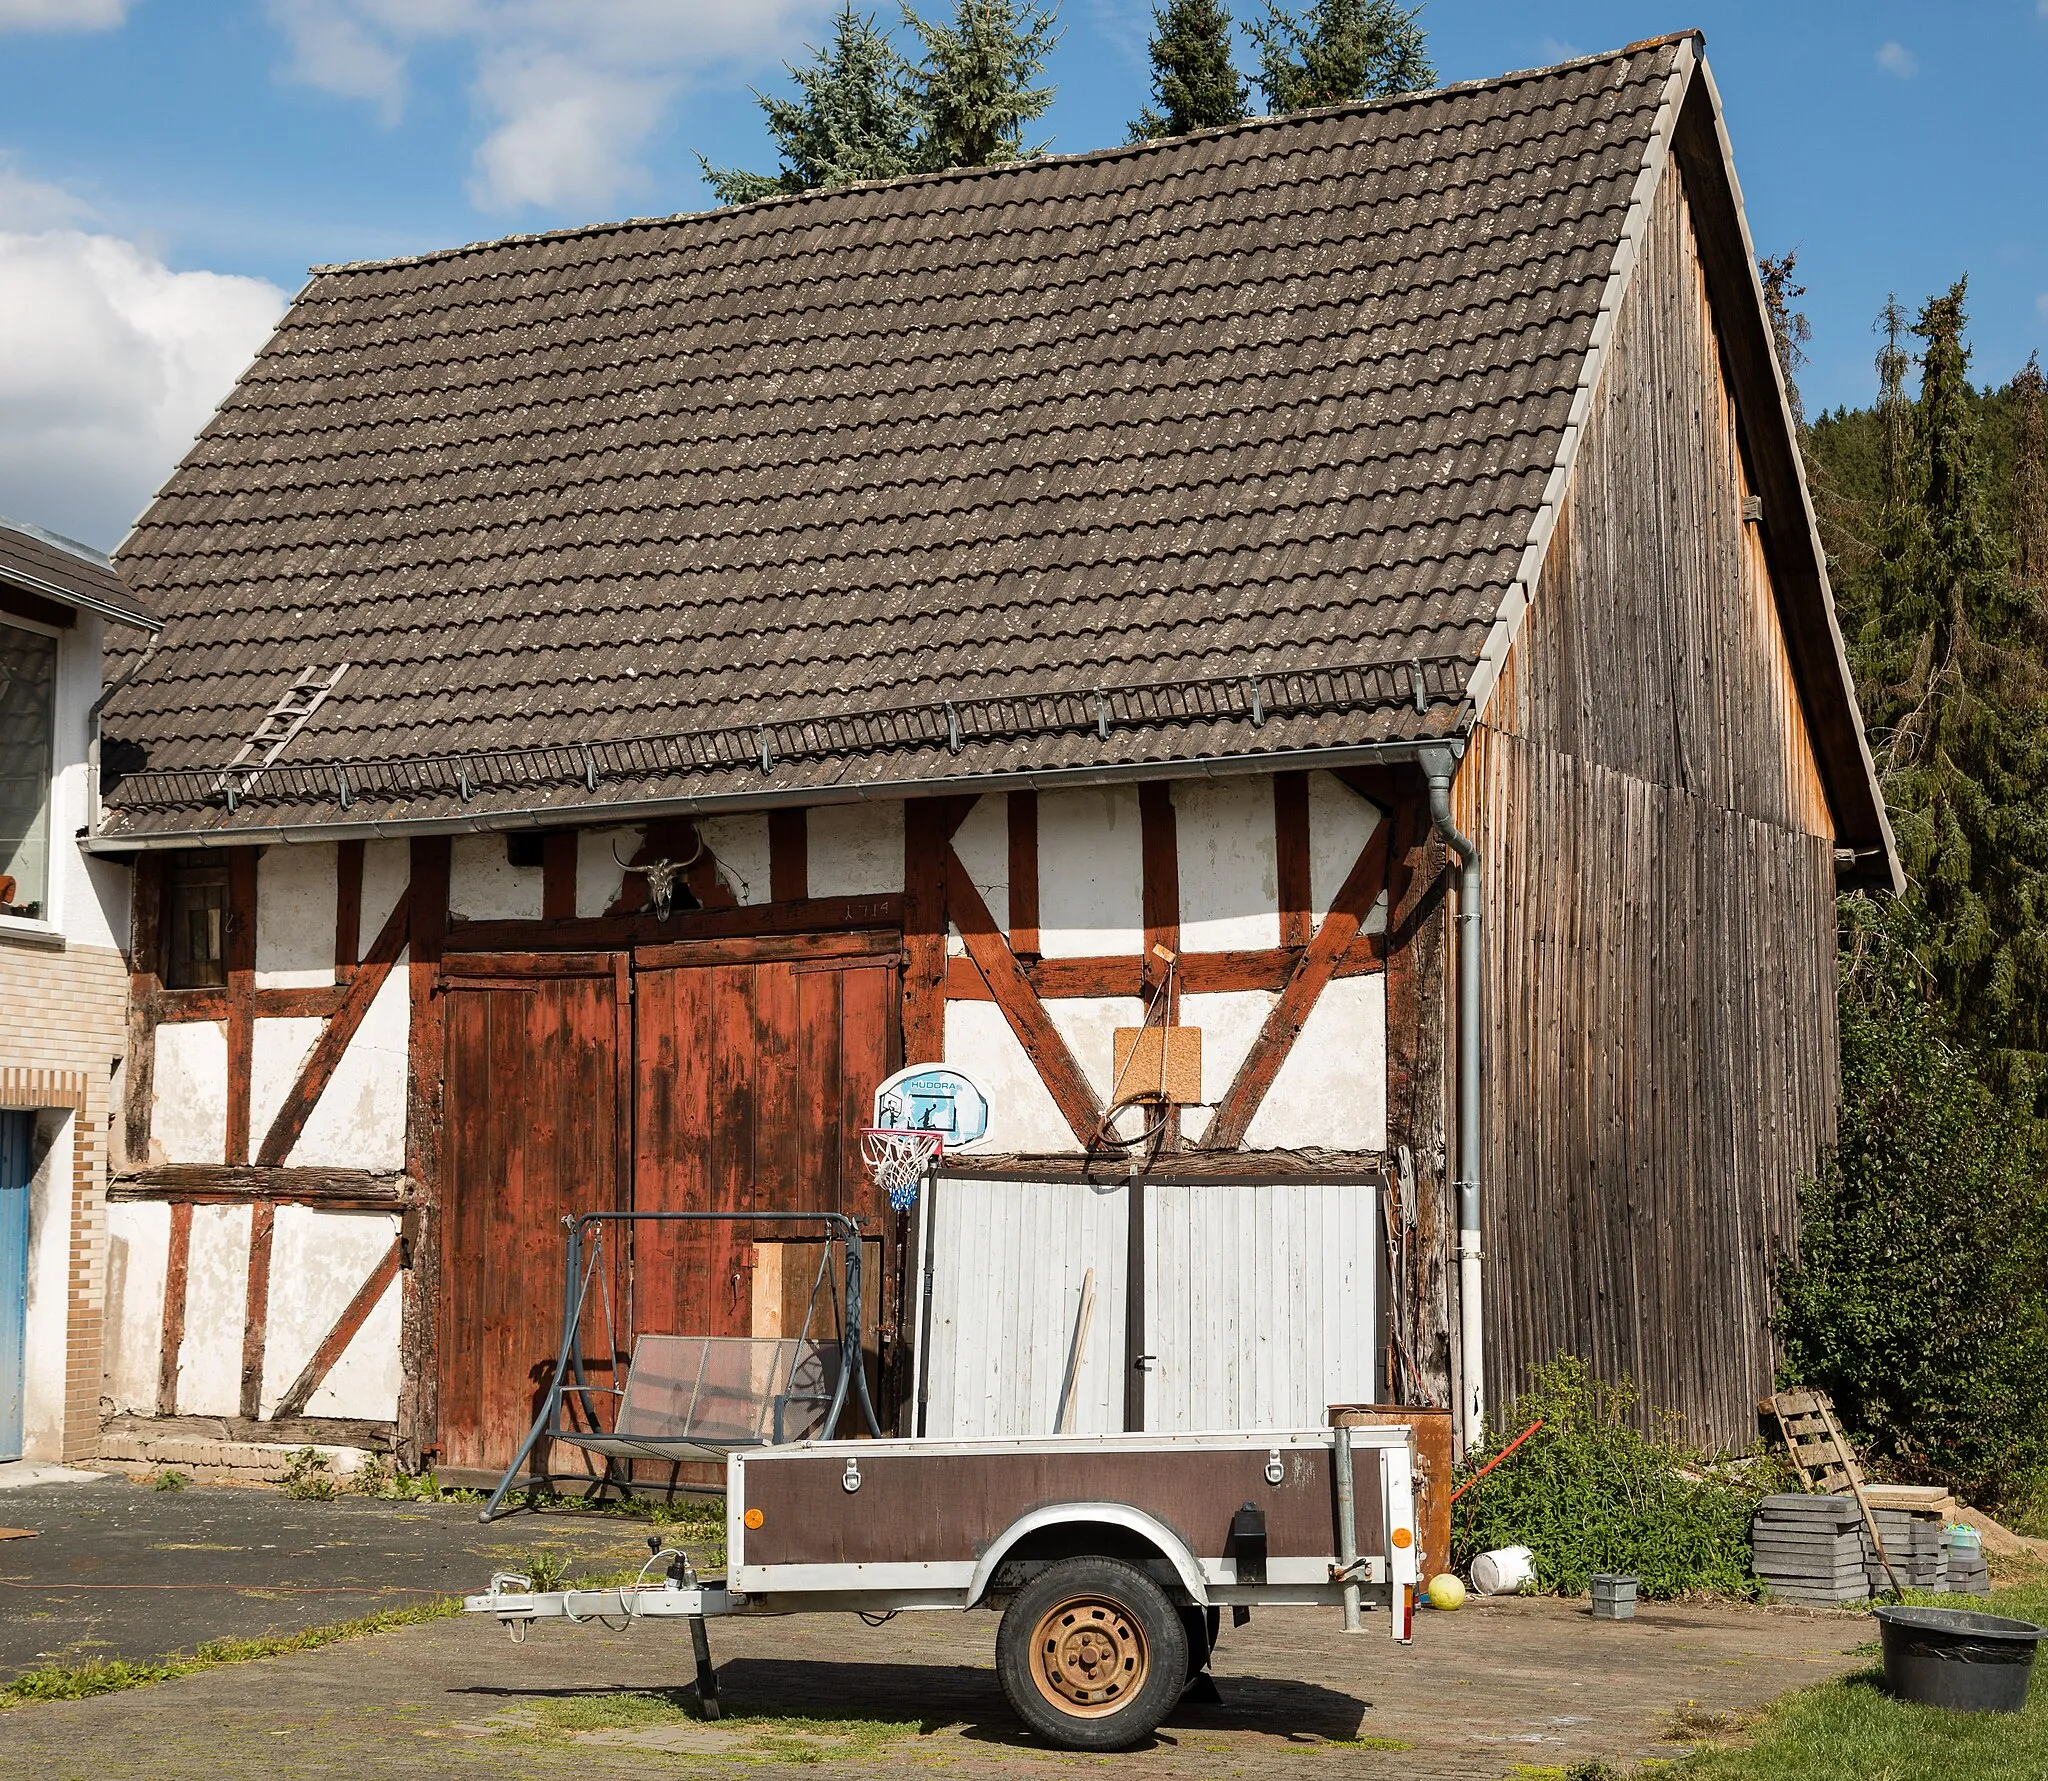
{"x":1504,"y":1572}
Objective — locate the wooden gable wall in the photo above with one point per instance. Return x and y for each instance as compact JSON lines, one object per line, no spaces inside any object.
{"x":1660,"y":1045}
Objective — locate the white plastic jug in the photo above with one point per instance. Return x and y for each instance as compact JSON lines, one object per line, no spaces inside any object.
{"x":1505,"y":1571}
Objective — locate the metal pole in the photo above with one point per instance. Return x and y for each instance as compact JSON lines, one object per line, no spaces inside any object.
{"x":1347,"y":1528}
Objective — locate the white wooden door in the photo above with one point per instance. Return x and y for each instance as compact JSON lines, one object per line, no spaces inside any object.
{"x":1009,"y":1260}
{"x":1259,"y":1303}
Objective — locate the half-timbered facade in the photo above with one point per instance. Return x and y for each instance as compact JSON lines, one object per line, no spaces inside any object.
{"x":626,"y":692}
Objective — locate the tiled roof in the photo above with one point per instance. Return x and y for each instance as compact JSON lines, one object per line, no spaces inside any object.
{"x":62,"y":569}
{"x":1205,"y":447}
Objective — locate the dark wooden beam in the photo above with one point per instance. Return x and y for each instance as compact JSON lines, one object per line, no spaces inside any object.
{"x":241,"y":997}
{"x":929,"y":825}
{"x":604,"y":933}
{"x":335,"y":1343}
{"x":1291,"y":858}
{"x":558,"y":875}
{"x":1159,"y":853}
{"x":789,"y":870}
{"x":177,"y":1272}
{"x":256,"y":1308}
{"x":297,"y":1431}
{"x":214,"y":1184}
{"x":328,"y":1050}
{"x":1348,"y":912}
{"x":138,"y":1084}
{"x":313,"y":1002}
{"x":420,"y":1305}
{"x":1201,"y":973}
{"x":348,"y":908}
{"x":1012,"y":993}
{"x":1023,"y":824}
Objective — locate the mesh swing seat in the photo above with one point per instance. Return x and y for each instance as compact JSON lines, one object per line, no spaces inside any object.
{"x":700,"y":1397}
{"x":697,"y":1398}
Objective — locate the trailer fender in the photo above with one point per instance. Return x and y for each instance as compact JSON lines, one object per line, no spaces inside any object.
{"x":1148,"y":1528}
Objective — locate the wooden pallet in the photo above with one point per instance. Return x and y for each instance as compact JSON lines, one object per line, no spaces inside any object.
{"x":1821,"y":1455}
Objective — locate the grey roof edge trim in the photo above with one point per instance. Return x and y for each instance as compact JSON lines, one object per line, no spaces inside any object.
{"x":1885,"y":873}
{"x":106,"y":609}
{"x":1115,"y":151}
{"x":587,"y":816}
{"x":1522,"y":590}
{"x":1873,"y":851}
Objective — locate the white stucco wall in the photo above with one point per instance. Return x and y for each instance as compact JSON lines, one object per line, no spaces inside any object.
{"x":326,"y":1256}
{"x":138,"y":1249}
{"x":982,"y":844}
{"x":295,"y":903}
{"x":484,"y":886}
{"x":740,"y":846}
{"x":856,"y":850}
{"x":1091,"y":874}
{"x":1229,"y":866}
{"x":359,"y":1121}
{"x":189,"y":1117}
{"x":216,"y":1307}
{"x":277,"y":1052}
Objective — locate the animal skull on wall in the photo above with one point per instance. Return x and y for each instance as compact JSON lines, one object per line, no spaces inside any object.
{"x":661,"y":876}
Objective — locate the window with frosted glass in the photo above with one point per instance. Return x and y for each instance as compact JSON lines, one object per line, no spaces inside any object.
{"x":28,"y":683}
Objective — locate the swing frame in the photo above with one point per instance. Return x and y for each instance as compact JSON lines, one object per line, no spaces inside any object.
{"x":583,"y":1257}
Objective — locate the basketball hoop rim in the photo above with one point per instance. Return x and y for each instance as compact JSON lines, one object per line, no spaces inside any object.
{"x":935,"y":1141}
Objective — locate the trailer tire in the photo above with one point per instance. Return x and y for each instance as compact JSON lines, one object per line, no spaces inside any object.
{"x":1091,"y":1654}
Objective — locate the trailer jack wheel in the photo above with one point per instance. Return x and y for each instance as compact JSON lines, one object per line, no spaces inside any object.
{"x":707,"y":1677}
{"x":1092,"y":1654}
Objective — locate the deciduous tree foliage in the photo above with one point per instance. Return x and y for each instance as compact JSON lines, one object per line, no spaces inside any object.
{"x":850,"y":119}
{"x":1195,"y":84}
{"x":1338,"y":51}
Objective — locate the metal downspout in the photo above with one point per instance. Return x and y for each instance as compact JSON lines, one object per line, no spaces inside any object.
{"x":1438,"y":766}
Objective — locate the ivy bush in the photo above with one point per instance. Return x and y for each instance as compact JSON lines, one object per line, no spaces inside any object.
{"x":1591,"y":1492}
{"x":1918,"y":1297}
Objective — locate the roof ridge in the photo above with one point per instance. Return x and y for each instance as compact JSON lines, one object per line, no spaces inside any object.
{"x":1151,"y":145}
{"x":70,"y":546}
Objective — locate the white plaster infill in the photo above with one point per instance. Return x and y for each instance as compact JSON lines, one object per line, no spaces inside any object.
{"x":20,"y":1474}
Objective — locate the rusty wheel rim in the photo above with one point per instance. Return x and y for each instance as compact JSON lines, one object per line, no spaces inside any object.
{"x":1088,"y":1656}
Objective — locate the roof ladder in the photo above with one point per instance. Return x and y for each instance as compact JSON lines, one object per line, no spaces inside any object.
{"x":280,"y":724}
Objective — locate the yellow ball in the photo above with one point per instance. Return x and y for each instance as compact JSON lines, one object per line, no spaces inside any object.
{"x":1446,"y":1592}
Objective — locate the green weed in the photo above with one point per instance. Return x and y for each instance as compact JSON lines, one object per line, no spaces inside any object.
{"x":101,"y":1675}
{"x":169,"y":1480}
{"x":308,"y":1475}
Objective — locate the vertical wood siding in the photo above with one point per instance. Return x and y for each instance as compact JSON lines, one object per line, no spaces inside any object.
{"x":1660,"y":1044}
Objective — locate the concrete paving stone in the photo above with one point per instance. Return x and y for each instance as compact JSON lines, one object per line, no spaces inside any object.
{"x":1497,"y":1687}
{"x":120,"y":1570}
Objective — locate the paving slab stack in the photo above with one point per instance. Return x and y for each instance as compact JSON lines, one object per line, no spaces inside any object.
{"x":1913,"y":1542}
{"x":1810,"y":1549}
{"x":1815,"y":1549}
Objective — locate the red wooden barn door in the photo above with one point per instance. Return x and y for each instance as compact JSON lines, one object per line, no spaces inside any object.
{"x":532,"y":1131}
{"x":757,"y":1066}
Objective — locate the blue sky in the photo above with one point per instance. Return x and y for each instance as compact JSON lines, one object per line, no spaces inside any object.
{"x":169,"y":168}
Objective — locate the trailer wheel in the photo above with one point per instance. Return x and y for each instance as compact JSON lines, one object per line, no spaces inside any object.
{"x":1091,"y":1654}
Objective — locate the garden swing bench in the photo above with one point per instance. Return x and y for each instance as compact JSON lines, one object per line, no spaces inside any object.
{"x":697,"y":1398}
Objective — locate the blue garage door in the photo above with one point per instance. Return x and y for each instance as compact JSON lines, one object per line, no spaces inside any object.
{"x":17,"y":1133}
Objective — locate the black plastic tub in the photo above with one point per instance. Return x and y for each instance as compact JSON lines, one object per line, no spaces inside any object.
{"x":1949,"y":1657}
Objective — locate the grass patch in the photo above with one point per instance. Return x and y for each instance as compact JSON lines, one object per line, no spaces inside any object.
{"x":777,"y":1737}
{"x":104,"y":1675}
{"x":1850,"y":1730}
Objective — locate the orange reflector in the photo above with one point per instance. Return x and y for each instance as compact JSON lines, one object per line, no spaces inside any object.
{"x":753,"y":1518}
{"x":1402,"y":1535}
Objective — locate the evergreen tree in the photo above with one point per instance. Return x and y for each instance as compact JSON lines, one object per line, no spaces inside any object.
{"x":973,"y":91}
{"x":1194,"y":82}
{"x":849,"y":120}
{"x":2029,"y":478}
{"x":1338,"y":51}
{"x":1790,"y":330}
{"x":1953,"y":687}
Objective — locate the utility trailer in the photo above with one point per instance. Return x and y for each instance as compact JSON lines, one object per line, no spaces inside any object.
{"x":1110,"y":1557}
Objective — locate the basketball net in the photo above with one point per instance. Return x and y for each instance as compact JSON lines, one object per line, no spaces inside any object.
{"x":898,"y":1160}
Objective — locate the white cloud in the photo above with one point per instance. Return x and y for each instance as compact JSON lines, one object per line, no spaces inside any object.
{"x":62,"y":15}
{"x":1556,"y":49}
{"x":109,"y":363}
{"x":1896,"y":58}
{"x":567,"y":91}
{"x":2041,"y":302}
